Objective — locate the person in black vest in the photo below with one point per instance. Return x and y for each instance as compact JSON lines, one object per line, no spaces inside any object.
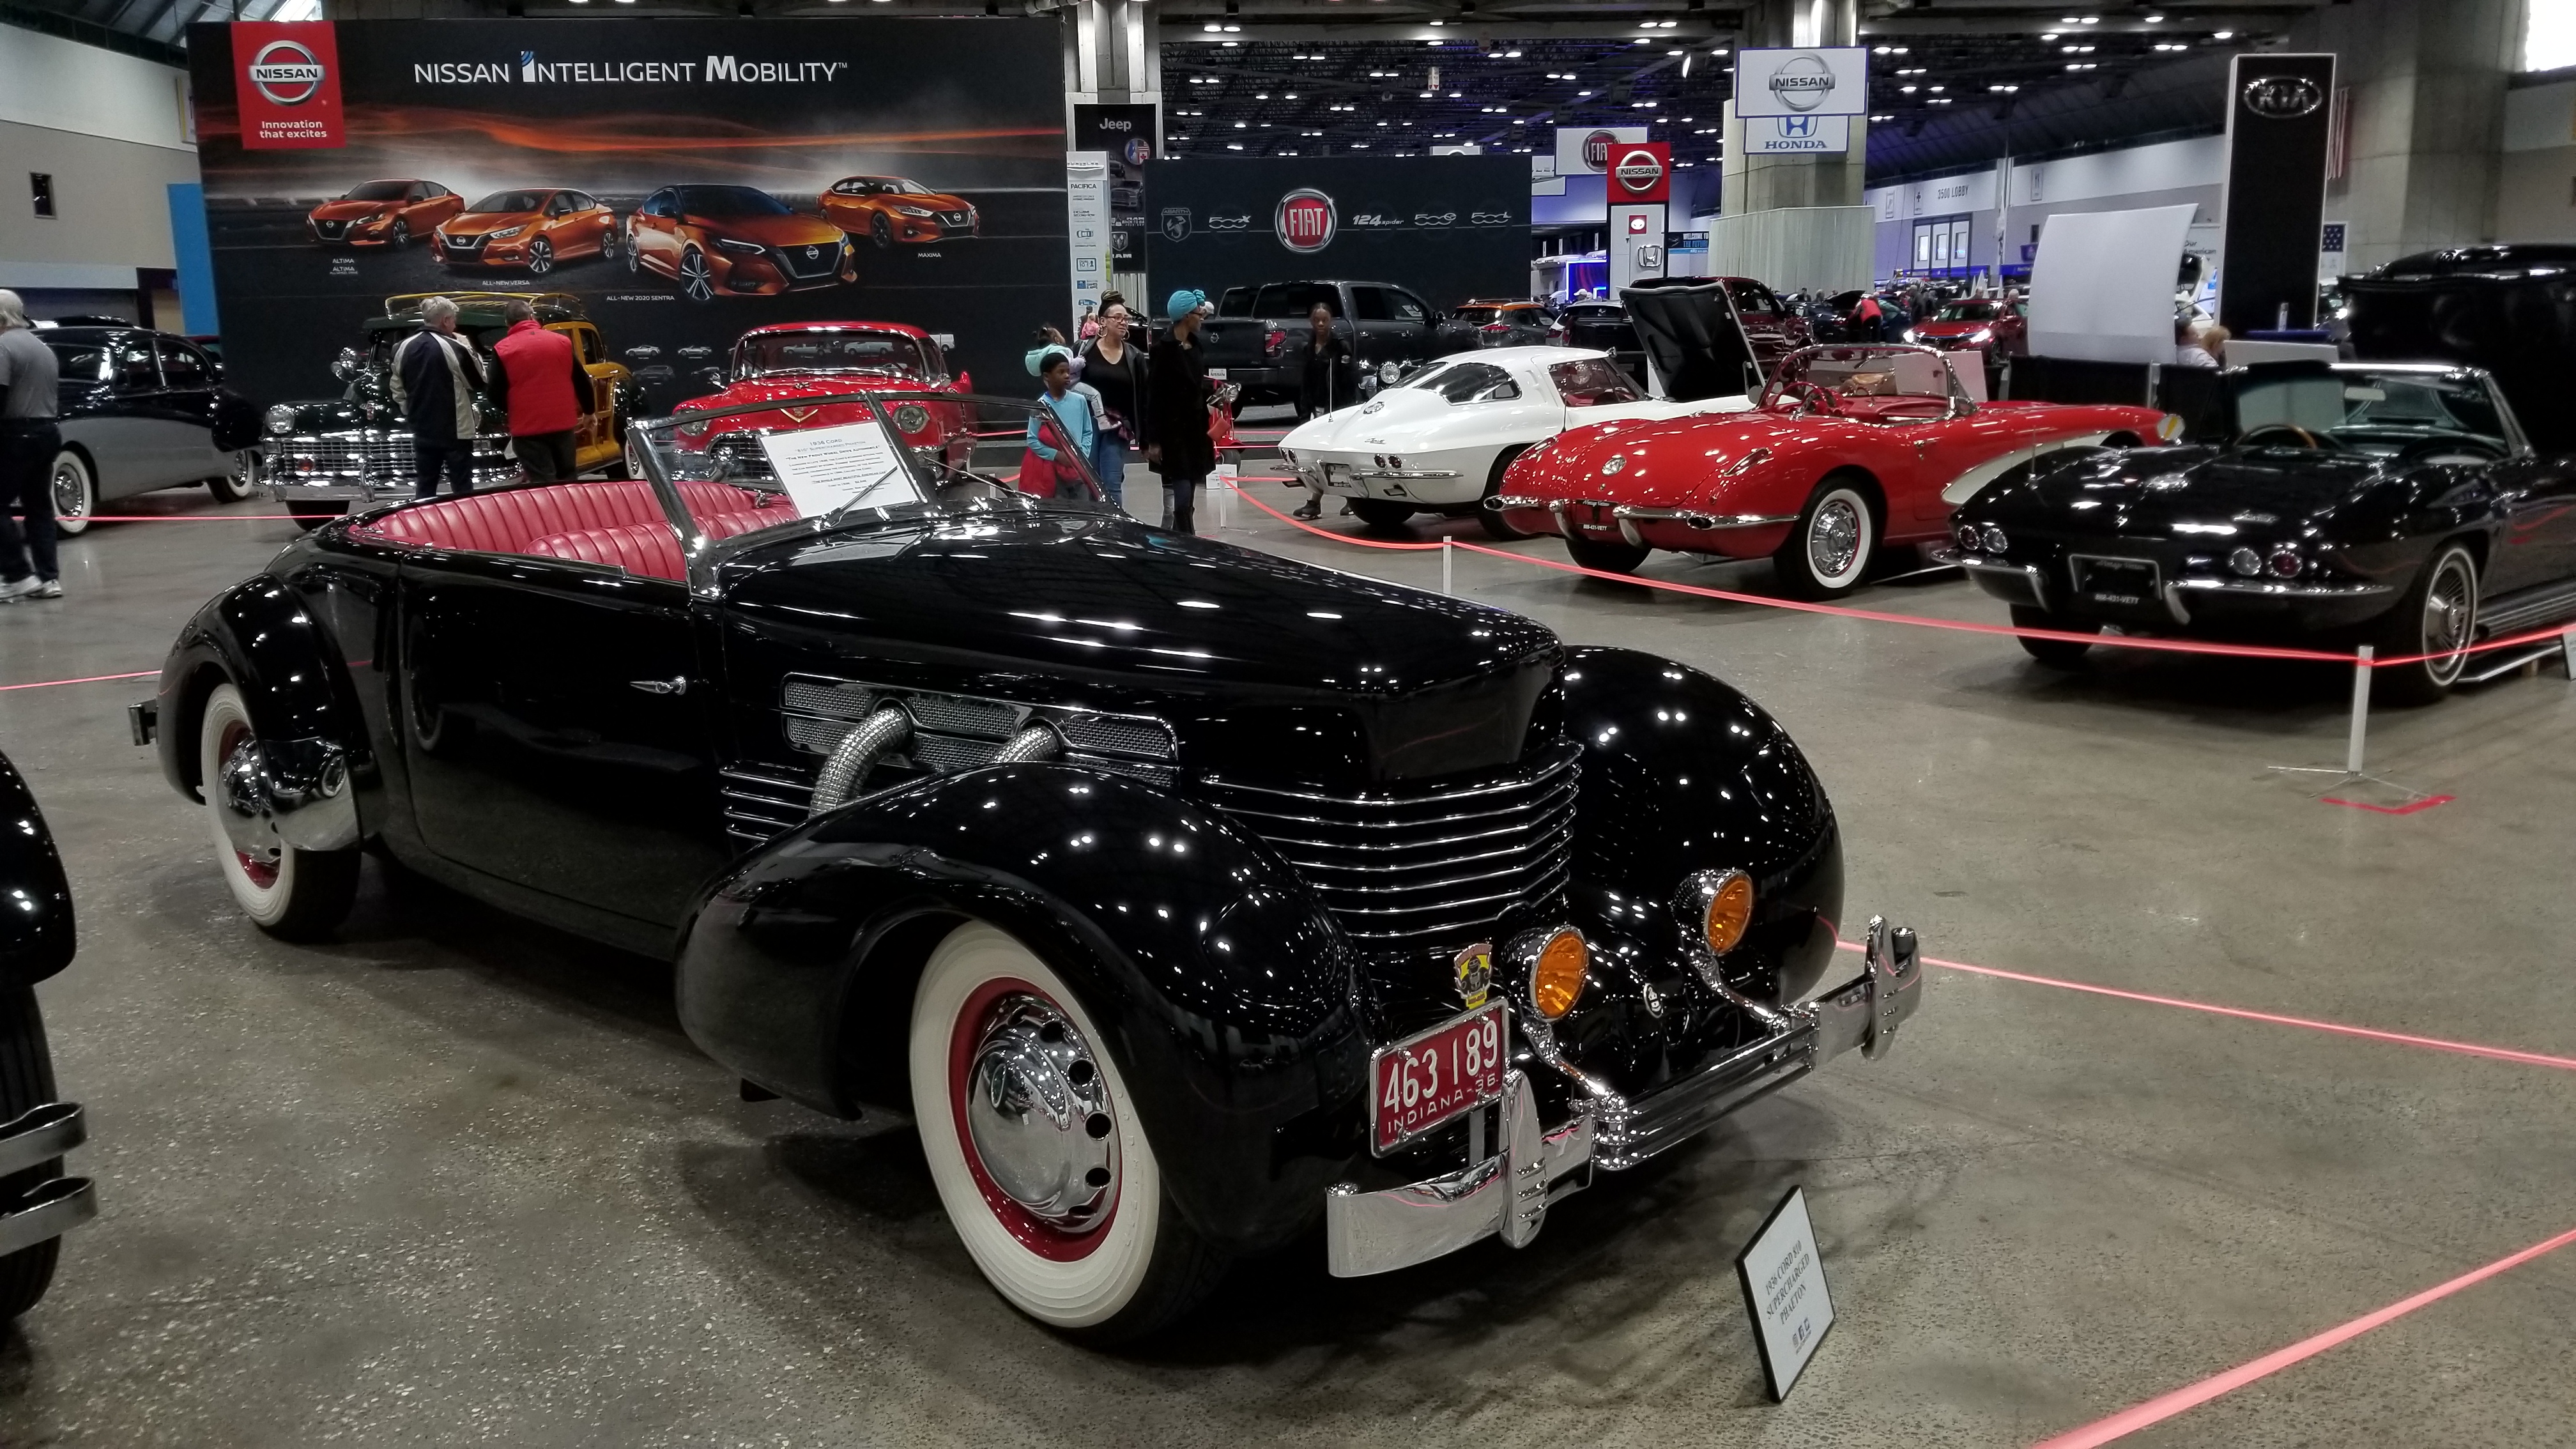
{"x":1176,"y":411}
{"x":436,"y":376}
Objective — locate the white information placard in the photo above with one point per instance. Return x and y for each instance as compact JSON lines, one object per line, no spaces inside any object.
{"x":1808,"y":81}
{"x":828,"y":468}
{"x":1784,"y":1290}
{"x":1797,"y":135}
{"x":1086,"y":214}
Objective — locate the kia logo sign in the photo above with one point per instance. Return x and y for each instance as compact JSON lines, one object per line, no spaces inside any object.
{"x":1803,"y":83}
{"x":286,"y":73}
{"x":1305,"y":221}
{"x":1638,"y":171}
{"x":2283,"y":97}
{"x":1596,"y":150}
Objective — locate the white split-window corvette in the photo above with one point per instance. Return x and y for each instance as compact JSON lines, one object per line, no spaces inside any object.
{"x":1439,"y":441}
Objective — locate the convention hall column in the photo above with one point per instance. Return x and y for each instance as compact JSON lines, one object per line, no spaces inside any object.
{"x":1794,"y":217}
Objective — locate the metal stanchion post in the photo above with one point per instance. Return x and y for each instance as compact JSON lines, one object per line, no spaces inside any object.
{"x":2360,"y":711}
{"x":1448,"y":568}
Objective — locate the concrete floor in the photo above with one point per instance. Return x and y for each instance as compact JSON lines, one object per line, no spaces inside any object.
{"x":454,"y":1180}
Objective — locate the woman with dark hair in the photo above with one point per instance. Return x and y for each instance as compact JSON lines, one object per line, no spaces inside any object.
{"x":1176,"y":411}
{"x":1326,"y":381}
{"x":1115,"y":369}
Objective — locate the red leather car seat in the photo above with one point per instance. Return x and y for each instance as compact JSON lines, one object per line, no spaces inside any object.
{"x":508,"y":520}
{"x":649,"y":549}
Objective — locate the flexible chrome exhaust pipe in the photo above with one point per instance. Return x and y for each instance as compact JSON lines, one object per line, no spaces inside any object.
{"x":1037,"y":742}
{"x":858,"y":752}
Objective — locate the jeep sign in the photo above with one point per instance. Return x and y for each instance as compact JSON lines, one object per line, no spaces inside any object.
{"x":1802,"y":82}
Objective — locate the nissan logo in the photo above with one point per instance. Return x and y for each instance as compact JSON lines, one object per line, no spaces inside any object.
{"x":1638,"y":171}
{"x":812,"y":252}
{"x":1304,"y":221}
{"x":2283,"y":97}
{"x":286,"y":73}
{"x":1803,"y":82}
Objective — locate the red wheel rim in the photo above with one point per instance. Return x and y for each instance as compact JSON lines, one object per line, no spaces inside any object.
{"x":1042,"y":1238}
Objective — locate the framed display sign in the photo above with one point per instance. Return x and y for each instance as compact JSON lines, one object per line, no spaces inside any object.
{"x":1802,"y":82}
{"x":1783,"y":1278}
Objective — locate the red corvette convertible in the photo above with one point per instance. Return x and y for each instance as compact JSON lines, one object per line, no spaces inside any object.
{"x":1851,"y":449}
{"x":790,"y":360}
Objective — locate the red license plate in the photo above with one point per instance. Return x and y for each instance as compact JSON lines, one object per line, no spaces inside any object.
{"x":1424,"y":1080}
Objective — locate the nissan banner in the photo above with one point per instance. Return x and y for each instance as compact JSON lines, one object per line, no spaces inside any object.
{"x":1802,"y":82}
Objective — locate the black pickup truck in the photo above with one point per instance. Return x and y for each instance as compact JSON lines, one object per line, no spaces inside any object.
{"x":1253,"y":339}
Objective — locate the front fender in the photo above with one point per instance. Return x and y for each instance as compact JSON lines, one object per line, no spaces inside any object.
{"x":1231,"y":997}
{"x":1682,"y":773}
{"x":261,"y":636}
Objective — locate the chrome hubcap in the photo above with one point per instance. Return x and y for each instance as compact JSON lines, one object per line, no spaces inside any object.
{"x":1038,"y":1112}
{"x":240,"y":793}
{"x":71,"y":500}
{"x":1834,"y":540}
{"x":2450,"y":611}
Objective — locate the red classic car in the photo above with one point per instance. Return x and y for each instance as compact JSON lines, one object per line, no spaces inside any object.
{"x":1993,"y":327}
{"x":1851,"y":448}
{"x":790,"y":360}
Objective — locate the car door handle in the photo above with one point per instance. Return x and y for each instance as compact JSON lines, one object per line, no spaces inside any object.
{"x":679,"y":685}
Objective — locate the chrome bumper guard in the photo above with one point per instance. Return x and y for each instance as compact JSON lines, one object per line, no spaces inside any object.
{"x":1508,"y":1194}
{"x":58,"y":1205}
{"x":1628,"y":515}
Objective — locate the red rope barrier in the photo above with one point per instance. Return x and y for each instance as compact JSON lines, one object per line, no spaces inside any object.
{"x":85,"y":679}
{"x":2165,"y":1406}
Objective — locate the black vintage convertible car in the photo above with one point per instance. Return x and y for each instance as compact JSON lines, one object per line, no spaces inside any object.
{"x":2390,"y":504}
{"x":1183,"y":896}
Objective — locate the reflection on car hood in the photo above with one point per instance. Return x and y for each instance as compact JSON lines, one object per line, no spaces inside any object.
{"x":1663,"y":464}
{"x":1397,"y":417}
{"x":351,"y":210}
{"x":1084,"y":607}
{"x":2151,"y":491}
{"x":781,"y":386}
{"x":777,"y":231}
{"x":473,"y":223}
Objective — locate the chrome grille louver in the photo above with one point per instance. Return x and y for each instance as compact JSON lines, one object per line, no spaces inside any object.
{"x":1427,"y":866}
{"x":762,"y":804}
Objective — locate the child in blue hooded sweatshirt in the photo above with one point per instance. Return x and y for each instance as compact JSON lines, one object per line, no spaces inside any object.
{"x":1076,"y":411}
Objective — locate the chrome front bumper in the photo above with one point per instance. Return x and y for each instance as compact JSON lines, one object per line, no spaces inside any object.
{"x":1508,"y":1193}
{"x":364,"y":465}
{"x":1624,"y":517}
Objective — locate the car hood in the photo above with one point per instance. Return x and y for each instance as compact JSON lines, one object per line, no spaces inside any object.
{"x":2181,"y":491}
{"x":1695,"y":340}
{"x":783,"y":386}
{"x":352,"y":210}
{"x":936,"y":201}
{"x":1051,"y":605}
{"x":472,"y":223}
{"x":1671,"y":463}
{"x":777,"y":231}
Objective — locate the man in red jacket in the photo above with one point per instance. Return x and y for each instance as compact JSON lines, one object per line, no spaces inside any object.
{"x":542,"y":385}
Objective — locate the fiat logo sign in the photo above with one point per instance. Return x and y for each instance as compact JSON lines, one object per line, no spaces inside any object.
{"x":1638,"y":171}
{"x":1803,"y":82}
{"x":1305,"y":221}
{"x":286,"y":73}
{"x":1596,"y":150}
{"x":2283,"y":97}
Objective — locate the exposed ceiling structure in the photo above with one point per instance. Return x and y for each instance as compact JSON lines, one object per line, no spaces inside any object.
{"x":1953,"y":82}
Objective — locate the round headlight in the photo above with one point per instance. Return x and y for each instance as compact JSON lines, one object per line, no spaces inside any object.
{"x":2285,"y":562}
{"x":1969,"y":538}
{"x":911,"y":418}
{"x":2246,"y":562}
{"x":1730,"y":911}
{"x":1996,"y":542}
{"x":1556,"y":982}
{"x":281,"y":419}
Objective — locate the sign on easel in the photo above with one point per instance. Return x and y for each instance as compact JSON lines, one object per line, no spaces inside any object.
{"x":1783,"y":1278}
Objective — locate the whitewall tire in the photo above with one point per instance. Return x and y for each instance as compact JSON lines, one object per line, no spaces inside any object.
{"x":1830,"y":549}
{"x":75,"y":493}
{"x":287,"y":892}
{"x":1034,"y":1144}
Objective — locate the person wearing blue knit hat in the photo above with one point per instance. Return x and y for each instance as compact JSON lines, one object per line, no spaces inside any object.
{"x":1177,"y":393}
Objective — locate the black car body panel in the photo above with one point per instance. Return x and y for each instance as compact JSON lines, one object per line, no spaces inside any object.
{"x":37,"y":934}
{"x":2508,"y":308}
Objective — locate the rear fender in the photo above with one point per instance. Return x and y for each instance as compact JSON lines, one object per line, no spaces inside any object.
{"x":1230,"y":996}
{"x":1681,"y":773}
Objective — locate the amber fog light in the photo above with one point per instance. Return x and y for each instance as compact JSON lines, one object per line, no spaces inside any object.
{"x":1556,"y":981}
{"x":1730,"y":910}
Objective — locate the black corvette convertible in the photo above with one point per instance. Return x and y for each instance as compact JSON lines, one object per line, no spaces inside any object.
{"x":1184,"y":896}
{"x":2400,"y":506}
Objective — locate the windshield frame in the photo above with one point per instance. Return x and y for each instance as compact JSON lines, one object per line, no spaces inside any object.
{"x":702,"y":554}
{"x":2518,"y":442}
{"x":1794,"y":367}
{"x":737,"y":371}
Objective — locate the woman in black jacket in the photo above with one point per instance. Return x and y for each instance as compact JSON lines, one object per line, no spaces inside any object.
{"x":1326,"y":380}
{"x":1176,"y":412}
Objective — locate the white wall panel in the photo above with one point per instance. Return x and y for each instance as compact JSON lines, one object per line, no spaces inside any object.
{"x":67,"y":86}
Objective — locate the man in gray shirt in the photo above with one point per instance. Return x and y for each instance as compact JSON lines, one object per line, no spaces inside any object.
{"x":28,"y":442}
